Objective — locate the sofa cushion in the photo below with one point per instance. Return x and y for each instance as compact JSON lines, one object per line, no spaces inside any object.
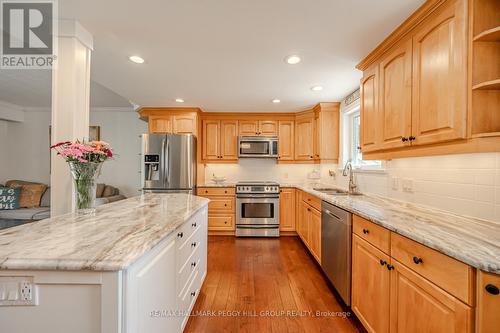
{"x":99,"y":190}
{"x":38,"y":213}
{"x":45,"y":201}
{"x":9,"y":198}
{"x":31,"y":193}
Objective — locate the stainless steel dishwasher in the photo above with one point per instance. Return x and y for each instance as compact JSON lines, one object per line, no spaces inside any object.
{"x":336,"y":228}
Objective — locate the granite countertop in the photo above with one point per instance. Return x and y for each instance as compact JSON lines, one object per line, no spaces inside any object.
{"x":118,"y":234}
{"x":473,"y":241}
{"x":214,"y":184}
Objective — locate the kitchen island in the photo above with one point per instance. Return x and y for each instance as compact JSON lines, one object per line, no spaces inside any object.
{"x":137,"y":265}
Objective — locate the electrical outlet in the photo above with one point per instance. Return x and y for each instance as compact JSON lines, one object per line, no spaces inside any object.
{"x":18,"y":291}
{"x":26,"y":291}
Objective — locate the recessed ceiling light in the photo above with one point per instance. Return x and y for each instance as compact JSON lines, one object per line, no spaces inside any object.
{"x":179,"y":100}
{"x":292,"y":60}
{"x":276,"y":101}
{"x":316,"y":88}
{"x":136,"y":59}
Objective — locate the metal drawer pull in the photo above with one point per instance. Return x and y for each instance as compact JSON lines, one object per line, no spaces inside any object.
{"x":390,"y":267}
{"x":193,"y":244}
{"x":492,"y":289}
{"x":383,"y":262}
{"x":194,"y":225}
{"x":417,"y":260}
{"x":193,"y":264}
{"x":366,"y":231}
{"x":180,"y":234}
{"x":193,"y":293}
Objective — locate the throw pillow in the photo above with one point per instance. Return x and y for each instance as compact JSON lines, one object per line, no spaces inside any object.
{"x":9,"y":198}
{"x":108,"y":191}
{"x":31,"y":194}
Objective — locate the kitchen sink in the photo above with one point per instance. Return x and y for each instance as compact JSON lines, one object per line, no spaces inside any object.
{"x":331,"y":191}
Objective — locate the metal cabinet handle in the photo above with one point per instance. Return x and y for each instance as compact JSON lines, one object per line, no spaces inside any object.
{"x":366,"y":231}
{"x":193,"y":244}
{"x":492,"y":289}
{"x":225,"y":222}
{"x":180,"y":234}
{"x":417,"y":260}
{"x":193,"y":264}
{"x":390,"y":267}
{"x":404,"y":139}
{"x":411,"y":138}
{"x":194,"y":225}
{"x":383,"y":262}
{"x":193,"y":293}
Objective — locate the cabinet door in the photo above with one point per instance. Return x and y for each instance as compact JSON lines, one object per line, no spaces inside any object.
{"x":304,"y":140}
{"x":418,"y":305}
{"x":488,"y":302}
{"x":185,"y":124}
{"x":370,"y":118}
{"x":286,"y":140}
{"x":315,"y":233}
{"x":370,"y":286}
{"x":287,"y":209}
{"x":160,"y":124}
{"x":440,"y":76}
{"x":395,"y":97}
{"x":303,"y":226}
{"x":268,"y":127}
{"x":248,"y":127}
{"x":211,"y":144}
{"x":229,"y":139}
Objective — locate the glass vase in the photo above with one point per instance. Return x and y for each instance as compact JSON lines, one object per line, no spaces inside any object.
{"x":85,"y":181}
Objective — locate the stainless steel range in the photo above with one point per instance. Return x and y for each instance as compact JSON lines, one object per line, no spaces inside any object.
{"x":257,"y":209}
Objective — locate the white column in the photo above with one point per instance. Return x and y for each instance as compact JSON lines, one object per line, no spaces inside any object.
{"x":70,"y":106}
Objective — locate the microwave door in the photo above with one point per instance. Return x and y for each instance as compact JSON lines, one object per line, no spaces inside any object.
{"x":254,"y":148}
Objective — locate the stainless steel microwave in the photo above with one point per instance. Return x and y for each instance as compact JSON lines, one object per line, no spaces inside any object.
{"x":258,"y":146}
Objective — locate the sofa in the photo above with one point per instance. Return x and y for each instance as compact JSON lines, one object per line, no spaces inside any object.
{"x":10,"y":218}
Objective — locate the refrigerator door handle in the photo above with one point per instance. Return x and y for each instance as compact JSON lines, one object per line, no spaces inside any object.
{"x":162,"y":161}
{"x":167,"y":164}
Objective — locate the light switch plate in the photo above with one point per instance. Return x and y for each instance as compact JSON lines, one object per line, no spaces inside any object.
{"x":18,"y":291}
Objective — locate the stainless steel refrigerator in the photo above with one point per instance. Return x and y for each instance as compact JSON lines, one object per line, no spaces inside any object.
{"x":168,"y":162}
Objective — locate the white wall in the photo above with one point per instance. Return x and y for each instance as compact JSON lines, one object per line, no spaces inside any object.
{"x":24,"y":147}
{"x":121,"y":129}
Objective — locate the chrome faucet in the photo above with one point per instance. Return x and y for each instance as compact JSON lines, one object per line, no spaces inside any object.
{"x":348,"y":170}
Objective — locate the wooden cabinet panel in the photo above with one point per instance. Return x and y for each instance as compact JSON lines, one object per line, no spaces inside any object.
{"x":221,"y":205}
{"x":312,"y":200}
{"x":418,"y":306}
{"x":160,"y":124}
{"x":370,"y":118}
{"x":457,"y":278}
{"x":439,"y":107}
{"x":185,"y":124}
{"x":370,"y":286}
{"x":248,"y":127}
{"x":221,"y":223}
{"x":268,"y":127}
{"x":210,"y":191}
{"x":304,"y":138}
{"x":315,"y":233}
{"x":211,"y":137}
{"x":286,"y":141}
{"x":488,"y":303}
{"x":327,"y":132}
{"x":395,"y":96}
{"x":287,"y":209}
{"x":229,"y":139}
{"x":374,"y":234}
{"x":303,"y":222}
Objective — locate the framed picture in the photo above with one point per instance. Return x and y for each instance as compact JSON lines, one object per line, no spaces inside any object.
{"x":94,"y":133}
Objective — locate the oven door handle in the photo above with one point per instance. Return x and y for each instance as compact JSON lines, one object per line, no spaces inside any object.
{"x":260,"y":196}
{"x":258,"y":226}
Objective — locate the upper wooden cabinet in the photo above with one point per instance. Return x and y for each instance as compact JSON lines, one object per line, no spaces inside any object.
{"x":304,"y":136}
{"x":219,"y":140}
{"x":286,"y":143}
{"x":432,"y":86}
{"x":258,"y":127}
{"x":327,"y":128}
{"x":171,"y":120}
{"x":395,"y":97}
{"x":439,"y":111}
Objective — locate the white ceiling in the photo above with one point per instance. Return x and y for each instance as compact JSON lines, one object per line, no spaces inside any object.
{"x":227,"y":55}
{"x":32,"y":88}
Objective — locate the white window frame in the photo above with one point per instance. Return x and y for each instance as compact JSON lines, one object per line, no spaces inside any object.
{"x":346,"y":138}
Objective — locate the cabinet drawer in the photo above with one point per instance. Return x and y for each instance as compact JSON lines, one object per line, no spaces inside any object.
{"x":187,"y":270}
{"x":372,"y":233}
{"x":190,"y":294}
{"x":450,"y":274}
{"x":185,"y":231}
{"x":222,"y":222}
{"x":204,"y":191}
{"x":312,"y":200}
{"x":221,"y":204}
{"x":188,"y":247}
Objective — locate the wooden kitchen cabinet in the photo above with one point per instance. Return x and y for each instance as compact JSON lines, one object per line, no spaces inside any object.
{"x":185,"y":123}
{"x":258,"y":127}
{"x":268,"y":127}
{"x":304,"y":137}
{"x":160,"y":124}
{"x":221,"y":209}
{"x":395,"y":97}
{"x":418,"y":305}
{"x":488,"y":303}
{"x":327,"y":132}
{"x":287,"y":209}
{"x":248,"y":127}
{"x":315,"y":233}
{"x":219,"y":140}
{"x":286,"y":140}
{"x":369,"y":112}
{"x":303,"y":222}
{"x":164,"y":121}
{"x":370,"y":285}
{"x":439,"y":110}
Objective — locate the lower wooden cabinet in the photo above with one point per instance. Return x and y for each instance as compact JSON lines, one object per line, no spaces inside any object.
{"x":418,"y":305}
{"x":221,"y":208}
{"x":488,"y":303}
{"x":309,"y":227}
{"x":287,"y":209}
{"x":370,"y":285}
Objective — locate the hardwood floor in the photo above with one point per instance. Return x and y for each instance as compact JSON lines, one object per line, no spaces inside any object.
{"x":249,"y":278}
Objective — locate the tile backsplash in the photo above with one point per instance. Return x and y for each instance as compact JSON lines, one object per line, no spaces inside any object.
{"x":463,"y":184}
